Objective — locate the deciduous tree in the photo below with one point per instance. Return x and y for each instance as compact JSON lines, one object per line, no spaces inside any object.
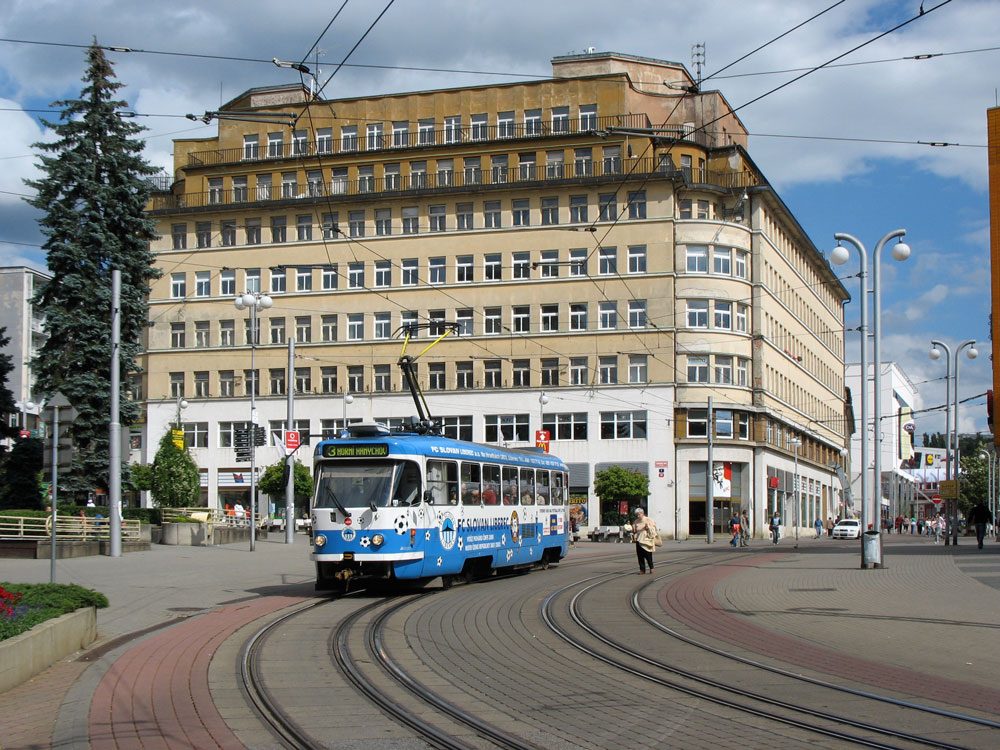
{"x":175,"y":480}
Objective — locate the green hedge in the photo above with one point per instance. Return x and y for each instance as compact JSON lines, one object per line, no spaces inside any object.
{"x":146,"y":515}
{"x":39,"y":602}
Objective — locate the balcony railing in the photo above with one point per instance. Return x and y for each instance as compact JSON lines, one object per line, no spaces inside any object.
{"x":413,"y":139}
{"x":468,"y":178}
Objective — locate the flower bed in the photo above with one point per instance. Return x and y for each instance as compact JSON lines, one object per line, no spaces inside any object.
{"x":24,"y":605}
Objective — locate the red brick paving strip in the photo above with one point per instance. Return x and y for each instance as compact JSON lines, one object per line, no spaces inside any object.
{"x":690,"y":599}
{"x":156,"y":694}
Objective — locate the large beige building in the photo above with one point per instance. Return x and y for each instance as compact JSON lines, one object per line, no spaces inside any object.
{"x":610,"y":253}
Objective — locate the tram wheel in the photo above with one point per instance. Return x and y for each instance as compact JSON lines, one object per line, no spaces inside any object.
{"x":447,"y":581}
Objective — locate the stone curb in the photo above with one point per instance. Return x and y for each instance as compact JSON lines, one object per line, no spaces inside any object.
{"x":28,"y":654}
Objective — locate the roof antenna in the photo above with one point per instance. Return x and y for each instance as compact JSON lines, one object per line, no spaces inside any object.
{"x":698,"y":60}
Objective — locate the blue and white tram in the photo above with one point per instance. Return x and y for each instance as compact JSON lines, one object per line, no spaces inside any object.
{"x":409,"y":506}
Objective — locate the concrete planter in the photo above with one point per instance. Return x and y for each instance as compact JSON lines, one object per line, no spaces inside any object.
{"x":186,"y":533}
{"x":25,"y":655}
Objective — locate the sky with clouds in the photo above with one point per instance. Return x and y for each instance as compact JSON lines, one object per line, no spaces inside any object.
{"x":821,"y":141}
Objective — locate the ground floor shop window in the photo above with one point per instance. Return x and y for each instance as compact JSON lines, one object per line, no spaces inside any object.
{"x":730,"y":495}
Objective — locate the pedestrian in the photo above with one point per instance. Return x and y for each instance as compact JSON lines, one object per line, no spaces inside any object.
{"x":828,"y":525}
{"x":980,"y":516}
{"x":920,"y":526}
{"x":938,"y":524}
{"x":239,"y":513}
{"x":744,"y":530}
{"x":775,"y":527}
{"x":646,"y":535}
{"x":574,"y":530}
{"x":734,"y":528}
{"x":819,"y":527}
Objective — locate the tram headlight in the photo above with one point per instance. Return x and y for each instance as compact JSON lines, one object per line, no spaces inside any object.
{"x":320,"y":540}
{"x":378,"y":540}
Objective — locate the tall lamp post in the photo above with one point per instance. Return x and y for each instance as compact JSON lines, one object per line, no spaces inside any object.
{"x":348,"y":399}
{"x":254,"y":301}
{"x":839,"y":255}
{"x":795,"y":443}
{"x":950,"y":399}
{"x":181,"y":404}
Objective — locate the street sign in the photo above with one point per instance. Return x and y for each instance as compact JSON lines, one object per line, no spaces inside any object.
{"x":177,"y":436}
{"x":291,"y":439}
{"x":937,"y":499}
{"x":948,"y":489}
{"x":542,"y":440}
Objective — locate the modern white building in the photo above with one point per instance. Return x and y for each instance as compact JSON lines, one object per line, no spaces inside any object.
{"x":26,"y":330}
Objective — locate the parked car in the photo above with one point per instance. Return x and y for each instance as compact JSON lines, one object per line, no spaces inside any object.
{"x":849,"y":528}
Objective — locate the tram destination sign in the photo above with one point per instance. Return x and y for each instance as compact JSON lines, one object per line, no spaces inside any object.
{"x":374,"y":450}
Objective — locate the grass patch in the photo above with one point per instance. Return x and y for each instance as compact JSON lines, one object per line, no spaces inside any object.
{"x":24,"y":605}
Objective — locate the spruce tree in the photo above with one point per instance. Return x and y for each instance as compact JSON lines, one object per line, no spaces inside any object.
{"x":93,"y":199}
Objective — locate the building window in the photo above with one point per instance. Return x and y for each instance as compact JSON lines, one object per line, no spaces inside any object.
{"x":303,"y":379}
{"x":356,"y":379}
{"x":473,"y":174}
{"x":521,"y":318}
{"x":637,"y":259}
{"x":577,"y":209}
{"x":463,"y":268}
{"x":278,"y":281}
{"x":418,"y":175}
{"x":491,"y":215}
{"x":201,"y":333}
{"x":330,"y":227}
{"x":425,"y":132}
{"x":492,"y":321}
{"x":493,"y":267}
{"x":383,"y":273}
{"x":588,"y":117}
{"x":560,"y":119}
{"x":400,"y":134}
{"x":252,"y":278}
{"x":251,"y":148}
{"x":177,"y":335}
{"x":521,"y":370}
{"x":741,"y":318}
{"x":464,"y":319}
{"x":383,"y":222}
{"x":458,"y":428}
{"x":279,"y":229}
{"x":356,"y":223}
{"x":277,"y":377}
{"x":176,"y":385}
{"x":742,"y":372}
{"x":637,"y":313}
{"x":521,"y":212}
{"x":608,"y":261}
{"x":608,"y":316}
{"x":251,"y":381}
{"x":623,"y":425}
{"x":550,"y":211}
{"x":328,"y":328}
{"x":522,"y":265}
{"x":277,"y":330}
{"x":722,"y":260}
{"x":356,"y":275}
{"x":583,"y":162}
{"x":410,"y":272}
{"x":697,"y":369}
{"x":608,"y":203}
{"x":215,"y":192}
{"x":607,"y":370}
{"x":328,"y":379}
{"x":436,"y":376}
{"x":638,"y":371}
{"x":437,"y":218}
{"x":637,"y":204}
{"x":253,"y":231}
{"x":203,"y":233}
{"x":550,"y":317}
{"x":411,"y":220}
{"x":550,"y":372}
{"x":445,"y":172}
{"x":685,"y":207}
{"x":743,"y":425}
{"x":303,"y":329}
{"x":697,"y":423}
{"x":553,"y":164}
{"x":526,"y":166}
{"x":383,"y":378}
{"x":329,"y":277}
{"x":178,"y":285}
{"x":506,"y":427}
{"x":453,"y":129}
{"x":702,"y":209}
{"x":228,"y":233}
{"x":289,"y":185}
{"x":498,"y":169}
{"x":571,"y":426}
{"x":549,"y":264}
{"x":740,"y":264}
{"x":578,"y":261}
{"x":202,"y":283}
{"x":264,"y":187}
{"x":303,"y":280}
{"x":697,"y":313}
{"x":492,"y":374}
{"x":356,"y":327}
{"x":697,"y":258}
{"x":578,"y":316}
{"x":196,"y":433}
{"x":373,"y":136}
{"x":532,"y":122}
{"x":724,"y":370}
{"x":505,"y":124}
{"x":578,"y":371}
{"x":227,"y":333}
{"x":391,"y":177}
{"x":383,"y":325}
{"x":436,"y":270}
{"x":227,"y":383}
{"x":324,"y":140}
{"x":463,"y":216}
{"x":723,"y":315}
{"x":178,"y":235}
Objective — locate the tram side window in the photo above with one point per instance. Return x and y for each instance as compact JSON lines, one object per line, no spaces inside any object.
{"x":558,"y":488}
{"x":509,"y":485}
{"x":470,"y":484}
{"x":442,"y":482}
{"x":407,"y":485}
{"x":542,"y":486}
{"x":491,"y":485}
{"x":527,"y":486}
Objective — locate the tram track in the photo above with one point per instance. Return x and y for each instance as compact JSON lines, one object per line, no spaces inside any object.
{"x":820,"y":720}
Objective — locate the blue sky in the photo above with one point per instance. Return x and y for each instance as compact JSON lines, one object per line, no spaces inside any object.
{"x":862,"y":188}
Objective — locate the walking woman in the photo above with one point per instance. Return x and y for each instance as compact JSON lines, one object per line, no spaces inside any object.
{"x":645,"y":534}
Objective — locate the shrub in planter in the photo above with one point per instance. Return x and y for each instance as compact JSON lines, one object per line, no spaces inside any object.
{"x":24,"y":605}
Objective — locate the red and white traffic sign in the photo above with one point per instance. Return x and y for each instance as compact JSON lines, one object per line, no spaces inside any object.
{"x":542,"y":440}
{"x":937,"y":499}
{"x":291,"y":439}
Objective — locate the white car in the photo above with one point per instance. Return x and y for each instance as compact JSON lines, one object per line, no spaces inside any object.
{"x":849,"y":528}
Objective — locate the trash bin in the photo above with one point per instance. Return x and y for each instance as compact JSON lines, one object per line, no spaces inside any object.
{"x":871,"y":552}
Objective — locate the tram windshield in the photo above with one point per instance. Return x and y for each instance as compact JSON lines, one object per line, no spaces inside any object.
{"x":362,"y":484}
